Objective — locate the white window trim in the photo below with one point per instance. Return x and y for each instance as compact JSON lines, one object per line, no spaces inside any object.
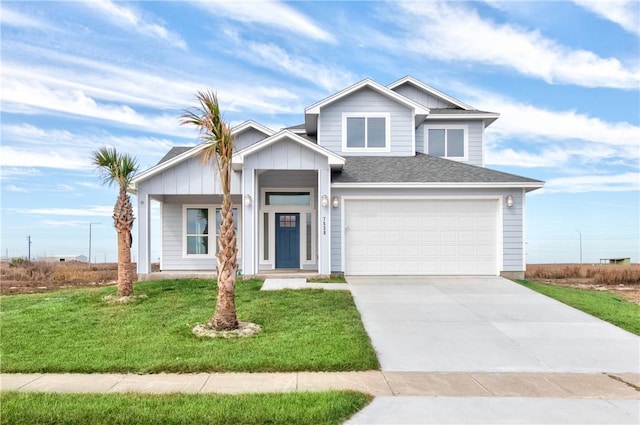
{"x":387,"y":127}
{"x":271,"y":210}
{"x":463,"y":127}
{"x":213,"y":239}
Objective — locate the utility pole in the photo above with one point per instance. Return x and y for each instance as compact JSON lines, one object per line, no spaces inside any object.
{"x":89,"y":259}
{"x":29,"y":243}
{"x":580,"y":233}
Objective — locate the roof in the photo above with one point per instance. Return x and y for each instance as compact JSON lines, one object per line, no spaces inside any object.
{"x":428,"y":89}
{"x":421,"y":169}
{"x":175,"y":151}
{"x":311,"y":113}
{"x":447,"y":111}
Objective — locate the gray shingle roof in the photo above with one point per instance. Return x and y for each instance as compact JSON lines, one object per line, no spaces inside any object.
{"x":421,"y":168}
{"x":175,"y":151}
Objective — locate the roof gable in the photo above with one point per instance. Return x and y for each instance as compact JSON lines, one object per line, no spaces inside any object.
{"x":335,"y":160}
{"x":311,"y":113}
{"x":179,"y":154}
{"x":430,"y":91}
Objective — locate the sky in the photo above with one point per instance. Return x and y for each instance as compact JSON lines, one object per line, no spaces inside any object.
{"x":75,"y":76}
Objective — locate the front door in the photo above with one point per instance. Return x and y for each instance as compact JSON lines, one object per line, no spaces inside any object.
{"x":287,"y":240}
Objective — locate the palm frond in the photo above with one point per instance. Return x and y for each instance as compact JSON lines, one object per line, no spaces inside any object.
{"x":114,"y":167}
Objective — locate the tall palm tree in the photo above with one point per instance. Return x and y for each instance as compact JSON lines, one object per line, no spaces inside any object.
{"x":118,"y":169}
{"x":216,"y":134}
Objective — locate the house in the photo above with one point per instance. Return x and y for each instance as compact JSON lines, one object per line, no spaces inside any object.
{"x":378,"y":180}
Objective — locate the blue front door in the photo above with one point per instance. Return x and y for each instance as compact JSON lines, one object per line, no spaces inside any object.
{"x":287,"y":240}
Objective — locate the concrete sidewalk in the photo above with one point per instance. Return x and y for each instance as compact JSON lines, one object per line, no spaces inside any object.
{"x":376,"y":383}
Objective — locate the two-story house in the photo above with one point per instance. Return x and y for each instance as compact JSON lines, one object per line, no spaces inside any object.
{"x":378,"y":180}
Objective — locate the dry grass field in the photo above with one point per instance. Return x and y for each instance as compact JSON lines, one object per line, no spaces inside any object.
{"x":39,"y":276}
{"x":623,"y":280}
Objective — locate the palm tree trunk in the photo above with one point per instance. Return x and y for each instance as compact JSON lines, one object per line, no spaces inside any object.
{"x":225,"y":317}
{"x":125,"y":278}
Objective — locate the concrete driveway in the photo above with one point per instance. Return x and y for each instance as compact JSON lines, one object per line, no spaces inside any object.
{"x":485,"y":324}
{"x":490,"y":324}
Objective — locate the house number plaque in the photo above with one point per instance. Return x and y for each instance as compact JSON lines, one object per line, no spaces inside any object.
{"x":324,"y":225}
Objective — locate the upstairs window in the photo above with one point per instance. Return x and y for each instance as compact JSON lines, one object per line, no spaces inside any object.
{"x":365,"y":132}
{"x":447,"y":141}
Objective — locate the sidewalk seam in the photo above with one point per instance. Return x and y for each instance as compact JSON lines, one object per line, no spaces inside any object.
{"x":204,"y":384}
{"x":384,"y":376}
{"x":122,"y":378}
{"x":482,"y":386}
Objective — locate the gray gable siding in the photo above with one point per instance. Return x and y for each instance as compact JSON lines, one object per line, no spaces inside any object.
{"x":417,"y":95}
{"x":512,"y":219}
{"x":190,"y":177}
{"x":366,"y":100}
{"x":247,"y":138}
{"x":475,"y":136}
{"x":285,"y":155}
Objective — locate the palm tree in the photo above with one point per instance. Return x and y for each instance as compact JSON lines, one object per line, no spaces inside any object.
{"x":216,"y":134}
{"x":116,"y":168}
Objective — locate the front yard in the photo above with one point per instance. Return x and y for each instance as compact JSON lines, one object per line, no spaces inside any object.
{"x":77,"y":331}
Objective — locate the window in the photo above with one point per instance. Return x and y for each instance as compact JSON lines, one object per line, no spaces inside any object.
{"x":197,"y":231}
{"x":366,"y":132}
{"x":447,"y":141}
{"x":287,"y":198}
{"x":199,"y":241}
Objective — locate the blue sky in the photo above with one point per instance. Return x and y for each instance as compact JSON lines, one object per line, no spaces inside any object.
{"x":565,"y":77}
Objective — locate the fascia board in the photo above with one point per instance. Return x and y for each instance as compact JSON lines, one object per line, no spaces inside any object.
{"x":440,"y":185}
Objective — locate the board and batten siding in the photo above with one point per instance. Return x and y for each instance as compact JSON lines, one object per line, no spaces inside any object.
{"x":247,"y":138}
{"x":190,"y":177}
{"x":512,"y":219}
{"x":418,"y":95}
{"x":285,"y":155}
{"x":367,"y":100}
{"x":172,"y":222}
{"x":475,"y":154}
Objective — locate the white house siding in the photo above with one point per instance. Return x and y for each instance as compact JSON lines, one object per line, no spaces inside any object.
{"x":190,"y":177}
{"x":172,"y":220}
{"x":285,"y":155}
{"x":367,"y":100}
{"x":512,"y":219}
{"x":247,"y":138}
{"x":475,"y":151}
{"x":417,"y":95}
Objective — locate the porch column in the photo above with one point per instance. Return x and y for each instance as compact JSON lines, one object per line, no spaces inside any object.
{"x":144,"y":237}
{"x":249,"y":223}
{"x":324,"y":223}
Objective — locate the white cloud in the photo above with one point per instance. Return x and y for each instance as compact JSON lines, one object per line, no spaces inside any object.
{"x":272,"y":56}
{"x":14,"y":188}
{"x":625,"y":182}
{"x":64,"y":223}
{"x":270,"y":13}
{"x":625,"y":13}
{"x":9,"y":17}
{"x":450,"y":31}
{"x":10,"y":173}
{"x":28,"y":146}
{"x":93,"y":211}
{"x":130,"y":18}
{"x":558,"y":136}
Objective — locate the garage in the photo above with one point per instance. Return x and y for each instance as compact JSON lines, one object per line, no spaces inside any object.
{"x":421,"y":236}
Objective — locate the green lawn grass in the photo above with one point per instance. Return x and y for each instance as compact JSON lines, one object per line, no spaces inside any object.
{"x":90,"y":409}
{"x":76,"y":331}
{"x":603,"y":305}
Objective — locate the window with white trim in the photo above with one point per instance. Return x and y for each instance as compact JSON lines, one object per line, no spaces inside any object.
{"x":365,"y":132}
{"x":199,"y":241}
{"x":450,"y":141}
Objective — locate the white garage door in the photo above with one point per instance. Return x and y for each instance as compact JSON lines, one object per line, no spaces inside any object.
{"x":421,"y":237}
